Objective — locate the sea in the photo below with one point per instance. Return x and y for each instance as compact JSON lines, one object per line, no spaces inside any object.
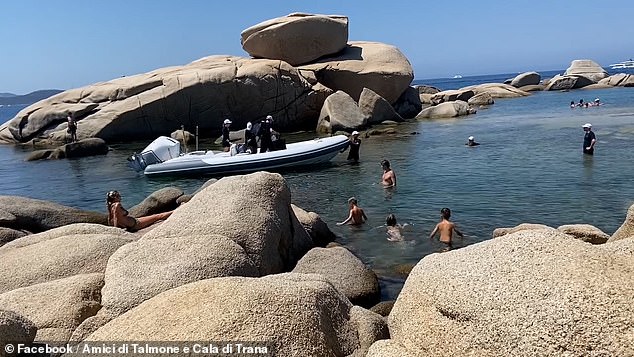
{"x":529,"y":168}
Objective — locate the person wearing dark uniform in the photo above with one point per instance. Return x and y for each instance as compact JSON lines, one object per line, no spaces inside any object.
{"x":265,"y":134}
{"x":250,"y":140}
{"x":355,"y":145}
{"x":226,"y":143}
{"x":589,"y":139}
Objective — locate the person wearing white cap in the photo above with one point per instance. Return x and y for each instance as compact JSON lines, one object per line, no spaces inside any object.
{"x":589,"y":139}
{"x":250,"y":140}
{"x":471,"y":142}
{"x":354,"y":144}
{"x":226,"y":143}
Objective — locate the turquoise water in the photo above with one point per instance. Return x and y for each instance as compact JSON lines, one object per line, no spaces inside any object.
{"x":529,"y":168}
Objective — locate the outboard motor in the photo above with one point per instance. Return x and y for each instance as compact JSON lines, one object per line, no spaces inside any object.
{"x":160,"y":150}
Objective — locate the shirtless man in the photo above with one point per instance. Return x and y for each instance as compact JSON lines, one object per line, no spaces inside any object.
{"x":389,"y":177}
{"x":445,"y":227}
{"x":357,"y":216}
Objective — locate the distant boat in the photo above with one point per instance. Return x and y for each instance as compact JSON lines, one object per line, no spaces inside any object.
{"x":457,"y":76}
{"x":623,"y":65}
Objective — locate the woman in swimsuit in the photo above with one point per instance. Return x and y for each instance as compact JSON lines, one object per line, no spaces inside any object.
{"x":118,"y":216}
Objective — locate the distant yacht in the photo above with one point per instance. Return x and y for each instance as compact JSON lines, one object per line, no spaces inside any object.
{"x":623,"y":65}
{"x":457,"y":76}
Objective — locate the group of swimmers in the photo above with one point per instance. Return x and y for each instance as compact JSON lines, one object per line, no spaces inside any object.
{"x":582,"y":104}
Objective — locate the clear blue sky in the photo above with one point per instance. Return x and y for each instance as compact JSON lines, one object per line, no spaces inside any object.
{"x":71,"y":43}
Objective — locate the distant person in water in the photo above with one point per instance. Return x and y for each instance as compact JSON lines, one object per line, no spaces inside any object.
{"x":471,"y":142}
{"x":580,"y":103}
{"x":72,"y":128}
{"x":589,"y":139}
{"x":119,"y":217}
{"x":354,"y":144}
{"x":226,"y":142}
{"x":597,"y":102}
{"x":572,"y":104}
{"x":389,"y":177}
{"x":445,"y":228}
{"x":394,"y":233}
{"x":356,"y":216}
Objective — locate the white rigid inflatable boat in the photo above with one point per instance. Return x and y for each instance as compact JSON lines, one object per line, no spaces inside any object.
{"x":163,"y":157}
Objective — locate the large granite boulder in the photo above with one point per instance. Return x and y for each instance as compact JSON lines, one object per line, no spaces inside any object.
{"x":340,"y":113}
{"x":7,"y":235}
{"x":484,"y":98}
{"x":408,"y":104}
{"x":345,"y":271}
{"x":81,"y":148}
{"x":497,"y":90}
{"x":143,"y":269}
{"x":162,"y":200}
{"x":156,"y":103}
{"x":585,"y":232}
{"x":446,"y":110}
{"x":377,"y":66}
{"x":56,"y":258}
{"x":296,"y":38}
{"x":588,"y":69}
{"x":375,"y":108}
{"x":530,"y":293}
{"x":559,"y":82}
{"x":252,"y":210}
{"x":23,"y":213}
{"x":313,"y":224}
{"x":626,"y":230}
{"x":15,"y":328}
{"x":620,"y":80}
{"x":56,"y":307}
{"x":296,"y":314}
{"x":526,"y":79}
{"x":426,"y":89}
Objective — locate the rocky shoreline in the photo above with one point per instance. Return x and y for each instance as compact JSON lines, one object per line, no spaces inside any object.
{"x":237,"y":261}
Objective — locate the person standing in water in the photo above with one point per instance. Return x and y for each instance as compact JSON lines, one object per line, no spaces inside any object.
{"x":354,"y":144}
{"x":389,"y":177}
{"x":471,"y":142}
{"x":589,"y":139}
{"x":445,"y":228}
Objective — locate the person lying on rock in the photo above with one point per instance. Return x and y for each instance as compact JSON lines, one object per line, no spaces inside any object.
{"x":119,"y":217}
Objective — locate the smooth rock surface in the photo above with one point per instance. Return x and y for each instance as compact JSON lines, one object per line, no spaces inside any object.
{"x":297,"y":38}
{"x":316,"y":228}
{"x":446,"y":110}
{"x":15,"y":328}
{"x":585,"y":232}
{"x":626,"y":230}
{"x":530,"y":293}
{"x":375,"y":108}
{"x":588,"y":69}
{"x":340,"y":112}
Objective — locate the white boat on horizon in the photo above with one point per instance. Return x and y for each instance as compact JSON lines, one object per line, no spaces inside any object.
{"x":623,"y":65}
{"x":457,"y":76}
{"x":163,"y":157}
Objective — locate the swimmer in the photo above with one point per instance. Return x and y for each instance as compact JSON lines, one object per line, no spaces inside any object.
{"x":393,"y":230}
{"x":356,"y":216}
{"x":446,"y":228}
{"x":471,"y":142}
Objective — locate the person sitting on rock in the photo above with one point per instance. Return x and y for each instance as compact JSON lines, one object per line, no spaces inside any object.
{"x":119,"y":217}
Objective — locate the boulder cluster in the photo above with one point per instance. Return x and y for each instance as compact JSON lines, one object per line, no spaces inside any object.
{"x":297,"y":62}
{"x":237,"y":261}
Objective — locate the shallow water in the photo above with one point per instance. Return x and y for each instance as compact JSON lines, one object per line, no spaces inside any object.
{"x":529,"y":168}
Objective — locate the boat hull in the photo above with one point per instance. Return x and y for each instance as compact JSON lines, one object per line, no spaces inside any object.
{"x":302,"y":154}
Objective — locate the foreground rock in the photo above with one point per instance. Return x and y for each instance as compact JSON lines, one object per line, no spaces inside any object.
{"x":585,"y":232}
{"x":217,"y":233}
{"x":56,"y":307}
{"x":499,"y":232}
{"x":346,"y":272}
{"x":588,"y":69}
{"x":531,"y":293}
{"x":299,"y":314}
{"x":446,"y":110}
{"x":627,"y":228}
{"x":296,"y":38}
{"x":56,"y":258}
{"x":22,"y":213}
{"x":313,"y":224}
{"x":15,"y":328}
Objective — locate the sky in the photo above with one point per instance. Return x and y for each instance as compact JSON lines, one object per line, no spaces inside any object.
{"x":66,"y":44}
